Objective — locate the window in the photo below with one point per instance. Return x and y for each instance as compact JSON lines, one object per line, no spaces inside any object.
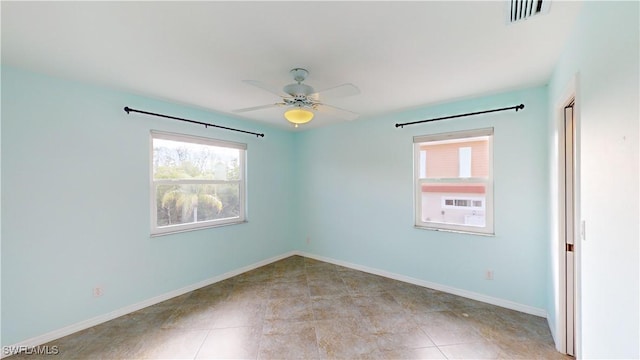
{"x":195,"y":183}
{"x":454,"y":181}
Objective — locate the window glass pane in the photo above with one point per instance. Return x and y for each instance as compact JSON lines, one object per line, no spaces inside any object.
{"x":464,"y":162}
{"x":453,"y":203}
{"x":423,"y":164}
{"x":191,"y":203}
{"x":182,"y":160}
{"x":460,"y":158}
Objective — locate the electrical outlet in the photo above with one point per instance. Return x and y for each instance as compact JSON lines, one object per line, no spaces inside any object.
{"x":308,"y":240}
{"x":98,"y":291}
{"x":488,"y":275}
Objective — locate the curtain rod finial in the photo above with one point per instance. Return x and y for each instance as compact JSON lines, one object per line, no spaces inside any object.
{"x":126,"y":109}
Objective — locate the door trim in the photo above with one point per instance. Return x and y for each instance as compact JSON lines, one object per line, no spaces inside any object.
{"x":569,"y":224}
{"x":558,"y":245}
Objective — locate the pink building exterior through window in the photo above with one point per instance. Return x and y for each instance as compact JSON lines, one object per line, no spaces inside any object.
{"x":451,"y":193}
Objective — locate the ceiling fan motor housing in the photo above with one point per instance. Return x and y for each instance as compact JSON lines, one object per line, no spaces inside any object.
{"x":298,"y":89}
{"x":300,"y":101}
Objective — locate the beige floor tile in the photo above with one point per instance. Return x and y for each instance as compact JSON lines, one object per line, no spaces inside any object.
{"x":197,"y":316}
{"x":289,"y":276}
{"x":346,"y":338}
{"x":112,"y":343}
{"x":381,"y":303}
{"x":399,"y":322}
{"x":210,"y":295}
{"x":231,"y":343}
{"x":321,"y":273}
{"x":250,"y":291}
{"x":171,"y":344}
{"x":364,"y":285}
{"x":292,"y":309}
{"x":334,"y":307}
{"x":67,"y":347}
{"x":403,"y":340}
{"x":478,"y":350}
{"x":238,"y":314}
{"x":522,"y":349}
{"x":421,"y":353}
{"x":257,"y":275}
{"x":446,"y":328}
{"x":328,"y":286}
{"x":418,"y":301}
{"x":298,"y":344}
{"x":287,"y":289}
{"x":397,"y":332}
{"x":283,"y":327}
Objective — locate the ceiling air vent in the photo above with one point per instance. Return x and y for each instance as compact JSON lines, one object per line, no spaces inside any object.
{"x":524,"y":9}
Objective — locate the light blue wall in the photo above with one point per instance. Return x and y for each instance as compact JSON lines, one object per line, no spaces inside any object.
{"x":604,"y":53}
{"x":356,"y":199}
{"x":75,"y":204}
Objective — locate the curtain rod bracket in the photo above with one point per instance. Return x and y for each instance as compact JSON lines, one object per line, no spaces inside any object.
{"x":206,"y":125}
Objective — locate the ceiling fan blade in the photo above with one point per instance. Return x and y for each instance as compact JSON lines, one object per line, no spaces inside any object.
{"x":338,"y":112}
{"x":266,"y":87}
{"x":339,"y":91}
{"x":268,"y":106}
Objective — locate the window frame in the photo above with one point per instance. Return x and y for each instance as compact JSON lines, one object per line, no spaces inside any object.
{"x":153,"y":184}
{"x":489,"y":228}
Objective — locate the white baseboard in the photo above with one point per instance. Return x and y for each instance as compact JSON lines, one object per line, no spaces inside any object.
{"x":82,"y":325}
{"x":559,"y":343}
{"x":448,"y":289}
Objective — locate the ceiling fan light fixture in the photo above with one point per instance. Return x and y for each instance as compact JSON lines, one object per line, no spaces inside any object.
{"x":298,"y":116}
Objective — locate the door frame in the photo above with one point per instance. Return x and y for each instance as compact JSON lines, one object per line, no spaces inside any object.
{"x":568,"y":222}
{"x":570,"y":95}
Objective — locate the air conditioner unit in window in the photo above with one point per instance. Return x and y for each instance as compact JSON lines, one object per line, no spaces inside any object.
{"x":474,"y":220}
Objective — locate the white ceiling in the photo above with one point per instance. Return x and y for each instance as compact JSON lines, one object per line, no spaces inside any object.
{"x":400,"y":54}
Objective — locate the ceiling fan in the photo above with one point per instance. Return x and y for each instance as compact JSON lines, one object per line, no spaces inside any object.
{"x":302,"y":99}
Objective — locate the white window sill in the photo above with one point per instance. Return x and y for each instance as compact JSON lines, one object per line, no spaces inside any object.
{"x":177,"y":231}
{"x":420,"y":227}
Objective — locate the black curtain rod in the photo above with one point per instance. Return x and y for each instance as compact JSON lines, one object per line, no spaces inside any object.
{"x":206,"y":125}
{"x":517,"y":107}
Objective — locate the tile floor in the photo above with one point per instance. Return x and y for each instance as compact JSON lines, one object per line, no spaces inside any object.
{"x":299,"y":308}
